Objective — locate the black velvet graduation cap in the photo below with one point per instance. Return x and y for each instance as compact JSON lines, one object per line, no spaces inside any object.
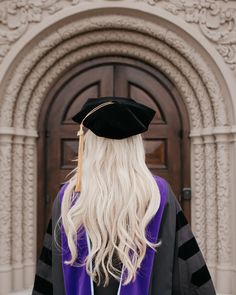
{"x":111,"y":117}
{"x":115,"y":117}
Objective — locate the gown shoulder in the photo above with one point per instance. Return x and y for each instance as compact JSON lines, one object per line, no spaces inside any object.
{"x":179,"y":266}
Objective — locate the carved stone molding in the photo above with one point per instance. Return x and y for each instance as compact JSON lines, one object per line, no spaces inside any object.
{"x":210,"y":198}
{"x":35,"y":99}
{"x":17,"y":202}
{"x":151,"y":43}
{"x":16,"y":17}
{"x":215,"y":18}
{"x":223,"y":202}
{"x":17,"y":209}
{"x":199,"y":193}
{"x":144,"y":27}
{"x":5,"y":200}
{"x":28,"y":201}
{"x":206,"y":74}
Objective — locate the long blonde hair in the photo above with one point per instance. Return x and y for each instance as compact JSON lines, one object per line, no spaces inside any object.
{"x":119,"y":197}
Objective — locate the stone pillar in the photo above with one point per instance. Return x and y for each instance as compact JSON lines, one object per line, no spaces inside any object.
{"x":198,"y":200}
{"x":5,"y":213}
{"x":223,"y":214}
{"x":210,"y":202}
{"x":29,"y":209}
{"x":17,"y":213}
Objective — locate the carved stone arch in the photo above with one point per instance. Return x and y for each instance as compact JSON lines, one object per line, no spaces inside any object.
{"x":152,"y":43}
{"x":104,"y":49}
{"x":170,"y":38}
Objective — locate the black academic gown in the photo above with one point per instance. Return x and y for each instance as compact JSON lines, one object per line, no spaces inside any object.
{"x":178,"y":269}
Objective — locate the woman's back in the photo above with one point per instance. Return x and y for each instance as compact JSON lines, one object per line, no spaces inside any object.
{"x":119,"y":229}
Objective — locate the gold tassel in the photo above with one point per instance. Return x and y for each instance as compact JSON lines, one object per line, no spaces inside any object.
{"x":80,"y":158}
{"x":81,"y":145}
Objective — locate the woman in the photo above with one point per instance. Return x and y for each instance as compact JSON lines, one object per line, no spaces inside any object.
{"x":116,"y":228}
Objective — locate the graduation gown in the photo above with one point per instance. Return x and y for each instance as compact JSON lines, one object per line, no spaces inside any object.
{"x":177,"y":268}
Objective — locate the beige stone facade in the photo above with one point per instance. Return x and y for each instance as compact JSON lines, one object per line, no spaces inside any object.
{"x":192,"y":42}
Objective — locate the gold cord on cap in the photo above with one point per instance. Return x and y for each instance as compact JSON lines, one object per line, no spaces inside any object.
{"x":80,"y":133}
{"x":80,"y":157}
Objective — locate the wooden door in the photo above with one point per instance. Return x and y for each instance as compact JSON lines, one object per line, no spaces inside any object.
{"x":166,"y":141}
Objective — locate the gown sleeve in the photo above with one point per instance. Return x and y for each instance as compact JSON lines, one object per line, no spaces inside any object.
{"x":49,"y":274}
{"x":179,"y":267}
{"x":43,"y":277}
{"x":190,"y":272}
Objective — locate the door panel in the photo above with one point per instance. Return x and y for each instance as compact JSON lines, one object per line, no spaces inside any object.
{"x":165,"y":128}
{"x":167,"y":150}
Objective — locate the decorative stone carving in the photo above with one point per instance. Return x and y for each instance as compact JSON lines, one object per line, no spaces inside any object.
{"x":151,"y":2}
{"x":223,"y":202}
{"x":210,"y":198}
{"x":216,"y":21}
{"x":17,"y":202}
{"x":187,"y":91}
{"x":28,"y":201}
{"x":5,"y":200}
{"x":16,"y":16}
{"x":205,"y":73}
{"x":17,"y":80}
{"x":17,"y":216}
{"x":124,"y":23}
{"x":199,"y":193}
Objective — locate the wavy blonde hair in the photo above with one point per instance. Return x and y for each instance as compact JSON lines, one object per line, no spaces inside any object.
{"x":119,"y":197}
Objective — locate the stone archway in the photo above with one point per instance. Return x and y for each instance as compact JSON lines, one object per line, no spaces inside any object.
{"x":141,"y":37}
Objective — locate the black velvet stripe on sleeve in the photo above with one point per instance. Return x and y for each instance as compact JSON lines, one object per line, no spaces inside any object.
{"x":180,"y":220}
{"x":43,"y":286}
{"x":49,"y":228}
{"x":201,"y":276}
{"x":188,"y":249}
{"x":46,"y":256}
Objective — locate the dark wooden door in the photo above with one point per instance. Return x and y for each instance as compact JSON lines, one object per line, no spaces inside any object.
{"x":166,"y":141}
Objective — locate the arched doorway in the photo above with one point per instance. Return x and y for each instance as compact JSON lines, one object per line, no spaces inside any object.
{"x":166,"y":142}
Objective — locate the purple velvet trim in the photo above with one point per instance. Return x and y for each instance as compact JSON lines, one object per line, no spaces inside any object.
{"x":76,"y":279}
{"x":141,"y":285}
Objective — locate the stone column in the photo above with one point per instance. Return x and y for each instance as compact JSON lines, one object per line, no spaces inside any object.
{"x":211,"y":204}
{"x":198,"y":183}
{"x":17,"y":213}
{"x":223,"y":214}
{"x":29,"y":209}
{"x":5,"y":212}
